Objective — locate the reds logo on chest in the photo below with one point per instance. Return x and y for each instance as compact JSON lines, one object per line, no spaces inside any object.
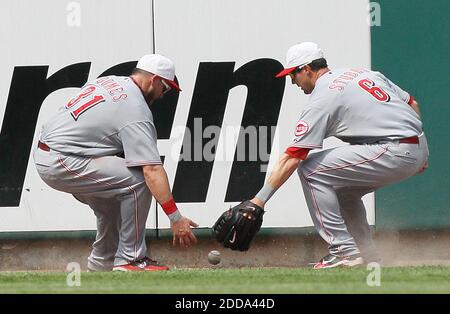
{"x":301,"y":128}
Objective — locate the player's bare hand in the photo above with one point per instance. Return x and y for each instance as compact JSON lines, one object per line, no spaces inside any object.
{"x":182,"y":232}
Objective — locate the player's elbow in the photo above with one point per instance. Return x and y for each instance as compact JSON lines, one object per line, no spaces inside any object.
{"x":292,"y":162}
{"x":152,"y":172}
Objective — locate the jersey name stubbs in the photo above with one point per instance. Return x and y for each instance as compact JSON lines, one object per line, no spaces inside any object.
{"x":343,"y":79}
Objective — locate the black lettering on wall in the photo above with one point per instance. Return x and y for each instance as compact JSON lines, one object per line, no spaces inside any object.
{"x":213,"y":83}
{"x":262,"y":108}
{"x":29,"y":87}
{"x":122,"y":69}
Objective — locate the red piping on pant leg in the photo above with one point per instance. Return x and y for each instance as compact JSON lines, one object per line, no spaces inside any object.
{"x":330,"y":169}
{"x":330,"y":236}
{"x":348,"y":165}
{"x":110,"y":185}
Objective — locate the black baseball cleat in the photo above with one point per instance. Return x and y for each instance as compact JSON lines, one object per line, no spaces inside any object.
{"x":331,"y":261}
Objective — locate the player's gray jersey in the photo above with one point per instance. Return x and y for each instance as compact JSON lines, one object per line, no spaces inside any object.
{"x":357,"y":106}
{"x":107,"y":117}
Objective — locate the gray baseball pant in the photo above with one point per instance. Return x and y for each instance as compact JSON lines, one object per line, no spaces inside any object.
{"x":334,"y":181}
{"x":117,"y":194}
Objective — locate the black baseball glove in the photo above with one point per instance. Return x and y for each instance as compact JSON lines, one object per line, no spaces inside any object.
{"x":237,"y":226}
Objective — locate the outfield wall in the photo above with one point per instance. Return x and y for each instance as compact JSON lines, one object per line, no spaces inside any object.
{"x":226,"y":53}
{"x":412,"y":47}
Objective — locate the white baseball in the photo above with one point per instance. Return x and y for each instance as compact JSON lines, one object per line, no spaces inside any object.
{"x":214,"y":257}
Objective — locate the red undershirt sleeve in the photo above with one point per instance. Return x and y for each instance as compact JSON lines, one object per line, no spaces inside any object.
{"x":298,"y":152}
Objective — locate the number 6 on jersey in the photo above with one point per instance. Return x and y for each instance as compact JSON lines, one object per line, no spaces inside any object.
{"x":375,"y":91}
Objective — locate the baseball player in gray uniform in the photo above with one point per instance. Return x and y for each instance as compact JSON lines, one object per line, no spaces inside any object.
{"x":79,"y":153}
{"x":379,"y":120}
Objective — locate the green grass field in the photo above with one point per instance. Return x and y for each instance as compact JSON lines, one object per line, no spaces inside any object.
{"x":243,"y":280}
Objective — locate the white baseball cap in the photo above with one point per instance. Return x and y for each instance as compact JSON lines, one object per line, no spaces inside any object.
{"x":300,"y":55}
{"x":161,"y":66}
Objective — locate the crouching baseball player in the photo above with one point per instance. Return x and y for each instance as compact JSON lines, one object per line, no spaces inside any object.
{"x":78,"y":153}
{"x":379,"y":120}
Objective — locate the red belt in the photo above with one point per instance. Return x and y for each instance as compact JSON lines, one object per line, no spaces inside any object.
{"x":43,"y":146}
{"x":409,"y":140}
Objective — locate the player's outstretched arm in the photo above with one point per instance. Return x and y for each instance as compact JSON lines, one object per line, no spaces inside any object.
{"x":237,"y":227}
{"x":284,"y":168}
{"x":158,"y":183}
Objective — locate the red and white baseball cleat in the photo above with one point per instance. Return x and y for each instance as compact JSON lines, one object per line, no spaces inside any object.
{"x":331,"y":261}
{"x":144,"y":264}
